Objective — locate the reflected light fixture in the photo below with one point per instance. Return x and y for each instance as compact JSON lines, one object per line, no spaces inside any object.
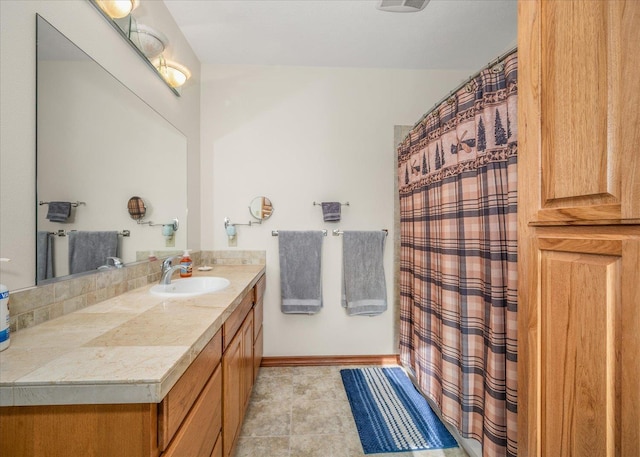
{"x":150,"y":41}
{"x":402,"y":6}
{"x":117,"y":9}
{"x":173,"y":73}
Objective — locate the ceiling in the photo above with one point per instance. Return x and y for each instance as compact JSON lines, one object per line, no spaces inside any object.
{"x":447,"y":34}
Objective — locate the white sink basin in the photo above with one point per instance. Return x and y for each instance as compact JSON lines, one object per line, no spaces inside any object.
{"x":190,"y":287}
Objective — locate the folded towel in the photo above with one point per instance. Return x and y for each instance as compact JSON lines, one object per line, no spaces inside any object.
{"x":44,"y":257}
{"x":59,"y":211}
{"x":89,"y":250}
{"x":300,"y":271}
{"x":364,"y":290}
{"x":331,"y":211}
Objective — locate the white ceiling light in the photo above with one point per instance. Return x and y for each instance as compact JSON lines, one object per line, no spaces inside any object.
{"x":402,"y":6}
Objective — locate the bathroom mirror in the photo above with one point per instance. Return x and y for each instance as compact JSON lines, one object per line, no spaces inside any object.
{"x":261,"y":208}
{"x":99,"y":144}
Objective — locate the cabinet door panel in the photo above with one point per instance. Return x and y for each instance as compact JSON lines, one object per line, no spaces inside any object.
{"x":197,"y":435}
{"x":217,"y":449}
{"x":589,"y":110}
{"x":258,"y":349}
{"x":575,"y":157}
{"x":176,"y":405}
{"x":580,"y":312}
{"x":232,"y":393}
{"x":247,"y":359}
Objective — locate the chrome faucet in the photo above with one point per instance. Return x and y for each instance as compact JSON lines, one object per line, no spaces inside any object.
{"x":168,"y":269}
{"x":112,"y":262}
{"x":117,"y":262}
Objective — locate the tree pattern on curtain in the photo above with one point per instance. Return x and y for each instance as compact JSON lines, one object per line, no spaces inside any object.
{"x":458,"y":257}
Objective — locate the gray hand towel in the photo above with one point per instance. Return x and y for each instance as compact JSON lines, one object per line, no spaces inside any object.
{"x":59,"y":211}
{"x":331,"y":211}
{"x":364,"y":290}
{"x":89,"y":250}
{"x":300,"y":271}
{"x":44,"y":259}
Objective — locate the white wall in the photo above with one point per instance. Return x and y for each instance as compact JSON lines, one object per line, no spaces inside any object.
{"x":82,"y":24}
{"x":299,"y":135}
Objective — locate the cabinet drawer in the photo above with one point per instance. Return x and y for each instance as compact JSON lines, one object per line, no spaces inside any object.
{"x":233,"y":323}
{"x":197,"y":435}
{"x":259,"y":288}
{"x":258,"y":313}
{"x":175,"y":406}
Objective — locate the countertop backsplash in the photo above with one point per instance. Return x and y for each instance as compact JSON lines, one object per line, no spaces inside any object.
{"x":42,"y":303}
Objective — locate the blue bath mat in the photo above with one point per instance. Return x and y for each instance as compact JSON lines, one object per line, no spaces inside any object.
{"x":391,"y":415}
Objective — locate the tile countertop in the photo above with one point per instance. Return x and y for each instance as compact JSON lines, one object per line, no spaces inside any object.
{"x":129,"y":349}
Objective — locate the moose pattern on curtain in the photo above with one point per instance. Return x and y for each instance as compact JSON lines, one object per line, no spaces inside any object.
{"x":457,"y":181}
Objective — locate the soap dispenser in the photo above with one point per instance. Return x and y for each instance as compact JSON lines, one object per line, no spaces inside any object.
{"x":186,"y":262}
{"x":4,"y":314}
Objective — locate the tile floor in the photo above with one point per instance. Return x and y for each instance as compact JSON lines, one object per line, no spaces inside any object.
{"x":304,"y":412}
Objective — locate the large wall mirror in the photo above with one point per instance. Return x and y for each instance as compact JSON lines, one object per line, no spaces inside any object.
{"x":98,"y":144}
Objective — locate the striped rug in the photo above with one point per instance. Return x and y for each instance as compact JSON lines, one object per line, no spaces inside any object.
{"x":391,"y":415}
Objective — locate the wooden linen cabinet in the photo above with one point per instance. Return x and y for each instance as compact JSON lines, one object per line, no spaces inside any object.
{"x":579,"y":228}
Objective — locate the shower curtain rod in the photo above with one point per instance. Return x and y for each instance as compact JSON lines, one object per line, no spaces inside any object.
{"x":461,"y":85}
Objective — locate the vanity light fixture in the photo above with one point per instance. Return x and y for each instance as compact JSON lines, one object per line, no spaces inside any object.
{"x":173,"y":73}
{"x":117,"y":9}
{"x":150,"y":41}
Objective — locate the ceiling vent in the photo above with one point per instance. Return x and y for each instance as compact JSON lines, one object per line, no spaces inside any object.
{"x":402,"y":6}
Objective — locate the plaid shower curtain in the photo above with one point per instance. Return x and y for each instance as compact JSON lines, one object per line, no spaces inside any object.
{"x":457,"y":181}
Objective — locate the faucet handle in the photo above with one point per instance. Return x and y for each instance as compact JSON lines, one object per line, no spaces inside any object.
{"x":117,"y":262}
{"x":166,"y":263}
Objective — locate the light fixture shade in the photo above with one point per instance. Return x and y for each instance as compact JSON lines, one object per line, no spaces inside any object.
{"x":173,"y":73}
{"x":117,"y":9}
{"x":150,"y":41}
{"x":402,"y":6}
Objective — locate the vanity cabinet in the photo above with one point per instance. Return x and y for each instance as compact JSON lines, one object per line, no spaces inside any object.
{"x":199,"y":417}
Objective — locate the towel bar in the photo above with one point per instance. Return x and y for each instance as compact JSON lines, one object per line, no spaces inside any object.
{"x":66,"y":232}
{"x":275,"y":233}
{"x":74,"y":204}
{"x":337,"y":232}
{"x":320,"y":204}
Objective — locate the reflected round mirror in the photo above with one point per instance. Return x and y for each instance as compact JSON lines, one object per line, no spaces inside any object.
{"x":136,"y":208}
{"x":261,"y":208}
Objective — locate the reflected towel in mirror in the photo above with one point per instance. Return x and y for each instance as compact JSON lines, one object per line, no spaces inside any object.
{"x":89,"y":250}
{"x":44,"y":260}
{"x":59,"y":211}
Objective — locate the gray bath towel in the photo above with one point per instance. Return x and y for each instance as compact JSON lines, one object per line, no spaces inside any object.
{"x":59,"y":211}
{"x":331,"y":211}
{"x":364,"y":290}
{"x":89,"y":250}
{"x":44,"y":249}
{"x":300,"y":271}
